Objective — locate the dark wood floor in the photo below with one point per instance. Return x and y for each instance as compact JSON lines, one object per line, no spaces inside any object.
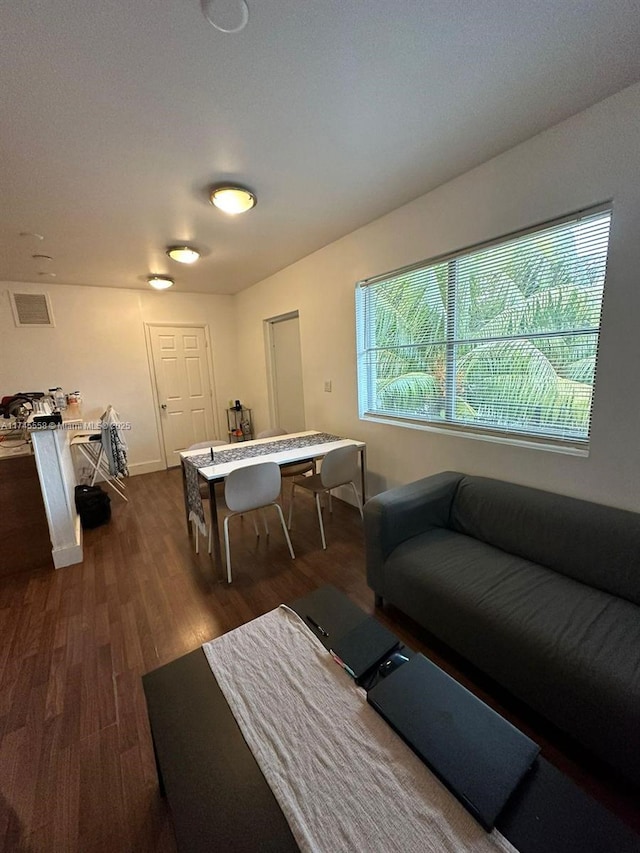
{"x":76,"y":761}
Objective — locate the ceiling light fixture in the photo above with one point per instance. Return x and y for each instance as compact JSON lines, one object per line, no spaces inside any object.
{"x":160,"y":282}
{"x":231,"y":16}
{"x":183,"y":254}
{"x":232,"y":198}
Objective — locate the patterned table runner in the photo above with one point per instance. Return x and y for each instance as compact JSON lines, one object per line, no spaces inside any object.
{"x":235,"y":454}
{"x":194,"y":498}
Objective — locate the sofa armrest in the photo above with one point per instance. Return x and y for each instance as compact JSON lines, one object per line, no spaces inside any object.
{"x":399,"y":514}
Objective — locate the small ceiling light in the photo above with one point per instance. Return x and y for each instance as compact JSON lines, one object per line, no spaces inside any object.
{"x":183,"y":254}
{"x":232,"y":198}
{"x":160,"y":282}
{"x":230,"y":16}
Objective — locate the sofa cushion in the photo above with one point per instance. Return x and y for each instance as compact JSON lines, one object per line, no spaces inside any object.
{"x":595,"y":544}
{"x":556,"y":643}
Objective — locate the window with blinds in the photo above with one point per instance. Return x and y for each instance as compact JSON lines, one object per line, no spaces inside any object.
{"x":501,"y":339}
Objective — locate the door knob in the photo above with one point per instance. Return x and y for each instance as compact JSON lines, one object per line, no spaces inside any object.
{"x":163,"y":406}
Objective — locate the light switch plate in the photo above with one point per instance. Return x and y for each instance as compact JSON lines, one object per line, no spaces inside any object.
{"x":327,"y":385}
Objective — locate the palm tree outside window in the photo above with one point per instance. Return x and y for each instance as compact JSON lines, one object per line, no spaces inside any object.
{"x":498,"y":340}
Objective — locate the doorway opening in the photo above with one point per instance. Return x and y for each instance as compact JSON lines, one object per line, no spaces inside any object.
{"x":284,"y":361}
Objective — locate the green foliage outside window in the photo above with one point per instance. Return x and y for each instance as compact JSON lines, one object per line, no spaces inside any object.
{"x":502,"y":338}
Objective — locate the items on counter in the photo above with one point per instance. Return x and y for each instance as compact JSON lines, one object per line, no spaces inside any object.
{"x":20,"y":405}
{"x":59,"y":398}
{"x":39,"y":407}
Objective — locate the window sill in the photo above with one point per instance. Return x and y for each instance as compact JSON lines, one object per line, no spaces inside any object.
{"x":459,"y":432}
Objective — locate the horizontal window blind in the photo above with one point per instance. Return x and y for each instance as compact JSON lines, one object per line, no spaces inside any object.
{"x":501,"y":338}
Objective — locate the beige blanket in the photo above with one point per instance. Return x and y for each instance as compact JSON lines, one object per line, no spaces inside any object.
{"x":344,"y":780}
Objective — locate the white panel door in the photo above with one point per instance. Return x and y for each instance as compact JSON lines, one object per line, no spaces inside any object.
{"x":286,"y":363}
{"x":181,"y":366}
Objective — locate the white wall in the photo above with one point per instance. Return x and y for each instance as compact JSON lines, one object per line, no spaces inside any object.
{"x":98,"y":346}
{"x":590,"y":158}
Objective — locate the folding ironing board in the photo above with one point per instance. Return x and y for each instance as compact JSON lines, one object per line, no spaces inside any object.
{"x":93,"y":451}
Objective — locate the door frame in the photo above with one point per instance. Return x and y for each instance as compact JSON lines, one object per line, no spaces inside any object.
{"x":268,"y":325}
{"x":154,"y":385}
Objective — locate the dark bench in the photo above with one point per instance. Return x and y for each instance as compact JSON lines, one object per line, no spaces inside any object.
{"x":220,"y":801}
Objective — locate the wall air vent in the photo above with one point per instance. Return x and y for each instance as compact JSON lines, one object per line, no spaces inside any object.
{"x":31,"y":309}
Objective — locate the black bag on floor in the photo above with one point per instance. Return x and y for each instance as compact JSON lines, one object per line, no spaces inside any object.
{"x":93,"y":505}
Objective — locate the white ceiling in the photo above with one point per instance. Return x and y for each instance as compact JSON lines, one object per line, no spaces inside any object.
{"x":118,"y":114}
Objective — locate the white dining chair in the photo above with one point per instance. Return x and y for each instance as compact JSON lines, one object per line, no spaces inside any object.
{"x":272,"y":433}
{"x":292,"y":469}
{"x":339,"y":468}
{"x":250,"y":488}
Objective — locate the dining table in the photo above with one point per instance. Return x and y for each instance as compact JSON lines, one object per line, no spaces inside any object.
{"x":214,"y":464}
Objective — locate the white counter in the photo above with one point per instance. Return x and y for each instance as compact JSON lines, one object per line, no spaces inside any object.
{"x":9,"y":451}
{"x":57,"y":481}
{"x":11,"y":441}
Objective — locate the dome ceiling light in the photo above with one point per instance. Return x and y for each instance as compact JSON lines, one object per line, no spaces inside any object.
{"x":183,"y":254}
{"x":160,"y":282}
{"x":231,"y":16}
{"x":232,"y":198}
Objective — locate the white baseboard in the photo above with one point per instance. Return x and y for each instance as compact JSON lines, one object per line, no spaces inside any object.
{"x":146,"y":467}
{"x":69,"y":555}
{"x":134,"y":470}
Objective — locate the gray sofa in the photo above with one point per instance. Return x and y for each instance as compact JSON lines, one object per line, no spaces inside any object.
{"x":538,"y":590}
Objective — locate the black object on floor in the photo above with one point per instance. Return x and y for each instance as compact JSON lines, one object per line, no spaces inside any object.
{"x":93,"y":505}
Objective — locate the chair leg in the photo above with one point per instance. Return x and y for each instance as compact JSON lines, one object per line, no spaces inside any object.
{"x":358,"y":501}
{"x":227,"y":547}
{"x":264,"y":521}
{"x":195,"y":533}
{"x":330,"y":504}
{"x":255,"y":525}
{"x":284,"y":528}
{"x":319,"y":508}
{"x":293,"y":491}
{"x":210,"y":540}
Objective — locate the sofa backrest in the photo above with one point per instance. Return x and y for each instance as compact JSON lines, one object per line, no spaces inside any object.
{"x":598,"y":545}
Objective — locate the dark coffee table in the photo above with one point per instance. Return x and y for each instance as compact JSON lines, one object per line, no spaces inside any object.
{"x":220,"y":801}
